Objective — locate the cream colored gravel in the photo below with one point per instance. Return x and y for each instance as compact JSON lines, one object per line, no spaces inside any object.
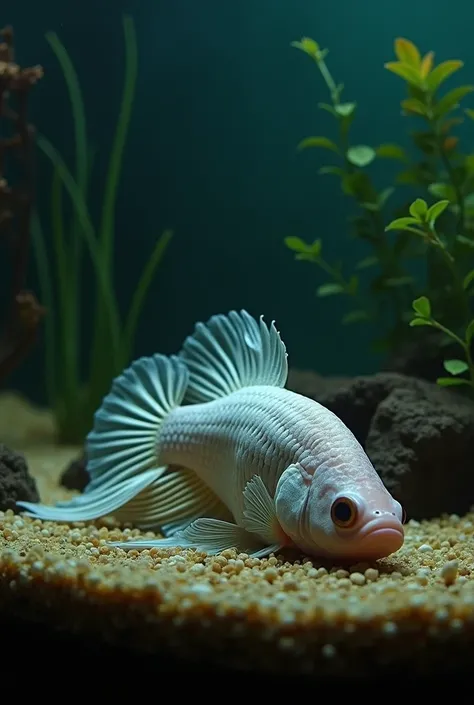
{"x":285,"y":613}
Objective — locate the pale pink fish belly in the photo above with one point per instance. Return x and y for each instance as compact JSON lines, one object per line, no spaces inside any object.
{"x":261,"y":430}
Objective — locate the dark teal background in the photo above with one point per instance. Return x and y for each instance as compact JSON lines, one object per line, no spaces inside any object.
{"x":222,"y":101}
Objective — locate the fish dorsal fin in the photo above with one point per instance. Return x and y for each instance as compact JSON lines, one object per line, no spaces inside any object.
{"x":230,"y":352}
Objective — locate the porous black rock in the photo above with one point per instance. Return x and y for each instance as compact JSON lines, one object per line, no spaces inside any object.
{"x":16,"y":482}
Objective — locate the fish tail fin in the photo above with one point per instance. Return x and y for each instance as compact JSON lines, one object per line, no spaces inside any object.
{"x":122,"y":449}
{"x":231,"y":352}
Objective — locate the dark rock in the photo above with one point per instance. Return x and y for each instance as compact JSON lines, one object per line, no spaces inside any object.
{"x":421,"y":441}
{"x":15,"y":481}
{"x":75,"y":476}
{"x":419,"y":436}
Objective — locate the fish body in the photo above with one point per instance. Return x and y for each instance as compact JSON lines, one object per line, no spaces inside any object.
{"x":259,"y":430}
{"x":210,"y":447}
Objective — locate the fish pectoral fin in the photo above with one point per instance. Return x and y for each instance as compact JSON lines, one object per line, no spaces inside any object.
{"x":260,"y":515}
{"x":209,"y":535}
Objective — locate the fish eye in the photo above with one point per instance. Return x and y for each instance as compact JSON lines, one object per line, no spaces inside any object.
{"x":344,"y":512}
{"x":404,"y":516}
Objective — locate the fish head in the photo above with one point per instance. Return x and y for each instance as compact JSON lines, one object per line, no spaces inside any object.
{"x":329,"y":514}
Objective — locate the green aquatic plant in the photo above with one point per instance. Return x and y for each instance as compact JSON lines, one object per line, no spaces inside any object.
{"x":456,"y":288}
{"x":75,"y":386}
{"x":399,"y":267}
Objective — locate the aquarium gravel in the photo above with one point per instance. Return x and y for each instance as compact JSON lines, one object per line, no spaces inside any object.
{"x":285,"y":613}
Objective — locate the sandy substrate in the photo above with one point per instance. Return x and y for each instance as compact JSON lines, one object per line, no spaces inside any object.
{"x":286,"y":614}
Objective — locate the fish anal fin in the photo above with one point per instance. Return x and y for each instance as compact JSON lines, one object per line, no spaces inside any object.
{"x":173,"y":500}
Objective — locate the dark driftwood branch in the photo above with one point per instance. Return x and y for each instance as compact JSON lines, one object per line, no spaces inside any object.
{"x":17,"y":139}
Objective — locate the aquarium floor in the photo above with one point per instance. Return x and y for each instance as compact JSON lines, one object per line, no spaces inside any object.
{"x":410,"y":613}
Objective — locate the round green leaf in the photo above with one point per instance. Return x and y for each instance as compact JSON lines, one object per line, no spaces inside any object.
{"x":391,"y":151}
{"x":422,"y":306}
{"x":418,"y":209}
{"x":440,"y":190}
{"x":335,"y":170}
{"x":322,"y":142}
{"x":455,"y":367}
{"x":451,"y":381}
{"x":345,"y":109}
{"x":419,"y":322}
{"x":329,"y":289}
{"x":402,"y":224}
{"x":361,"y":155}
{"x":297,"y":244}
{"x":435,"y":211}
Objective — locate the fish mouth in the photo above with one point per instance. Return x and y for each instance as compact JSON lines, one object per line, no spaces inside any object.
{"x":381,"y":539}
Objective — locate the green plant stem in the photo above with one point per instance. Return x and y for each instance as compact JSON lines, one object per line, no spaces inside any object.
{"x":435,"y":127}
{"x":326,"y":267}
{"x":464,"y":345}
{"x":455,"y":185}
{"x":451,"y":265}
{"x":379,"y":243}
{"x":329,"y":81}
{"x":450,"y":333}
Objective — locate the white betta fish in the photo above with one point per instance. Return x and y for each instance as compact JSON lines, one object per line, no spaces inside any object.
{"x":209,"y":447}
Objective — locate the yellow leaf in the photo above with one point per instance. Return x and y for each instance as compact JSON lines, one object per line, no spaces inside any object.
{"x":426,"y":64}
{"x":308,"y":45}
{"x":441,"y":72}
{"x":406,"y":71}
{"x":413,"y":105}
{"x":407,"y":52}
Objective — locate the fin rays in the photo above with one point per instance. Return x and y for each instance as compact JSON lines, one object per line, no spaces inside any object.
{"x":231,"y":352}
{"x":209,"y":535}
{"x":225,"y":354}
